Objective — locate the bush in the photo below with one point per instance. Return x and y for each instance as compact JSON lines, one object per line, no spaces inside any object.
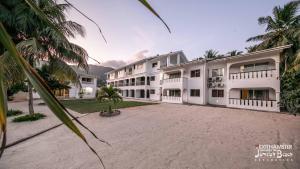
{"x":290,"y":92}
{"x":29,"y":117}
{"x":12,"y":112}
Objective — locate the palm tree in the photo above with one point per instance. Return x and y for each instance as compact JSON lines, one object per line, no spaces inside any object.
{"x":43,"y":41}
{"x":282,"y":28}
{"x":234,"y":53}
{"x":109,"y":94}
{"x":210,"y":54}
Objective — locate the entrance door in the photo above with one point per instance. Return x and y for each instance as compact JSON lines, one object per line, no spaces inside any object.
{"x":244,"y":94}
{"x":148,"y":94}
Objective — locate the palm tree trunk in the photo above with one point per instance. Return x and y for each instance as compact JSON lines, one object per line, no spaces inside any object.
{"x":30,"y":100}
{"x":285,"y":64}
{"x":109,"y":109}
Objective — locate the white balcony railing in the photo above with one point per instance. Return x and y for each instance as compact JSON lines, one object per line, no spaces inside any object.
{"x":253,"y":74}
{"x":172,"y":80}
{"x":268,"y":105}
{"x":172,"y":99}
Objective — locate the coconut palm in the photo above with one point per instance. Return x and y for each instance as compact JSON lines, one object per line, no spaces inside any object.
{"x":110,"y":94}
{"x":234,"y":53}
{"x":282,"y":28}
{"x":210,"y":54}
{"x":39,"y":42}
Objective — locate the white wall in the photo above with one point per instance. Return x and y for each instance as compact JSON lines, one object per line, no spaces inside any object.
{"x":195,"y":83}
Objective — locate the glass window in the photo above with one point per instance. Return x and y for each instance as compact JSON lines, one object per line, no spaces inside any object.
{"x":152,"y":91}
{"x":175,"y":93}
{"x":195,"y":93}
{"x":87,"y":80}
{"x":174,"y":75}
{"x":217,"y":93}
{"x":152,"y":78}
{"x":154,"y":64}
{"x":195,"y":73}
{"x":217,"y":72}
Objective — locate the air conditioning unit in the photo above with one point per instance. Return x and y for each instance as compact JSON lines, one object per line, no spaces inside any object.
{"x":209,"y":79}
{"x":209,"y":85}
{"x":220,"y":85}
{"x":218,"y":79}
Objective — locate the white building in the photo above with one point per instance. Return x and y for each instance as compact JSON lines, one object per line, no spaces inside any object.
{"x":86,"y":88}
{"x":249,"y":81}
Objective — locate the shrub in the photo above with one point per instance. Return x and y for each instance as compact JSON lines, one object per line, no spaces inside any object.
{"x":12,"y":112}
{"x":290,"y":92}
{"x":29,"y":117}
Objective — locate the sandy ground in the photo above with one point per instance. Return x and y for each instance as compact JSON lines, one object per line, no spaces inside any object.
{"x":17,"y":131}
{"x":165,"y":136}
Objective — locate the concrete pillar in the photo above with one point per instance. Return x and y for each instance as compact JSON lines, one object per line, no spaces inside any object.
{"x":277,"y":67}
{"x":168,"y":61}
{"x":178,"y":59}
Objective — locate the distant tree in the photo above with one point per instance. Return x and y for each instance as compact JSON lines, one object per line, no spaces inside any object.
{"x":234,"y":53}
{"x":210,"y":54}
{"x":282,"y":28}
{"x":15,"y":88}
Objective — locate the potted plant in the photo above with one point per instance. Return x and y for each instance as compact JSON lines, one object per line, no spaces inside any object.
{"x":110,"y":95}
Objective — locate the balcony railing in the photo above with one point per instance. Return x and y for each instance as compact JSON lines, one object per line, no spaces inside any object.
{"x":173,"y":80}
{"x":253,"y":74}
{"x":252,"y":103}
{"x":171,"y":98}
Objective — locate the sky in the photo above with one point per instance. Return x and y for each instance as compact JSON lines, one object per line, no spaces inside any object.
{"x":132,"y":32}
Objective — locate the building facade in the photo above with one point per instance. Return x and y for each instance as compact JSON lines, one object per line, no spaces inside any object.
{"x":248,"y":81}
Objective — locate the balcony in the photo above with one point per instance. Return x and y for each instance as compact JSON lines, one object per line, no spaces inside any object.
{"x":174,"y":82}
{"x":266,"y":105}
{"x":259,"y":78}
{"x":259,"y":74}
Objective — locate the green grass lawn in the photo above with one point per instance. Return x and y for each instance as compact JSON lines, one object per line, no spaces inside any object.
{"x":91,"y":105}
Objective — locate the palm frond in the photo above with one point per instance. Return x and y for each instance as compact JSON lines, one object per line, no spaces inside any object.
{"x":149,"y":7}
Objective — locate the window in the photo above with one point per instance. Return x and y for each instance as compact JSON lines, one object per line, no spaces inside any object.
{"x":254,"y":94}
{"x":195,"y":93}
{"x":152,"y":78}
{"x":256,"y":67}
{"x":139,"y":66}
{"x":195,"y":73}
{"x":217,"y":93}
{"x":217,"y":72}
{"x":154,"y":64}
{"x":152,"y":91}
{"x":86,"y":80}
{"x":174,"y":75}
{"x":87,"y":90}
{"x":174,"y":93}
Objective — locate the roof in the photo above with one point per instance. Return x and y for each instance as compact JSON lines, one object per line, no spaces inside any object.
{"x":147,"y":59}
{"x":276,"y":49}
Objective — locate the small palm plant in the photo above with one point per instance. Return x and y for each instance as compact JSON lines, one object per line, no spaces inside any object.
{"x":109,"y":94}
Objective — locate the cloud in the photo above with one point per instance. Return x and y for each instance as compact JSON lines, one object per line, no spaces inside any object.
{"x":138,"y":56}
{"x":119,"y":63}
